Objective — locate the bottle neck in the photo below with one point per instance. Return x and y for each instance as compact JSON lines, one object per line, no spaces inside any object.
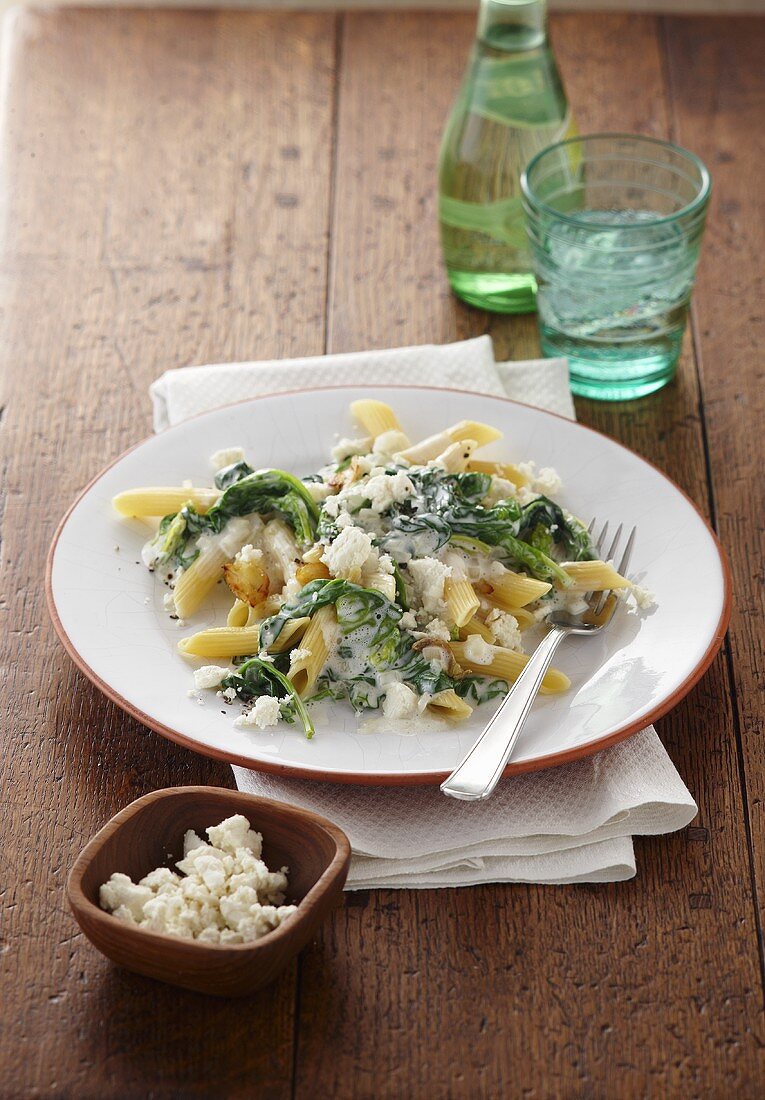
{"x":513,"y":25}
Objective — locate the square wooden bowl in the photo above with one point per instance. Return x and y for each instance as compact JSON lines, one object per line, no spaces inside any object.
{"x":149,"y":833}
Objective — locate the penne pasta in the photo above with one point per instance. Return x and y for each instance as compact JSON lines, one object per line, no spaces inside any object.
{"x":455,"y":458}
{"x":473,"y":429}
{"x":281,"y":548}
{"x":375,"y":416}
{"x":269,"y":606}
{"x":461,"y":601}
{"x":196,"y":582}
{"x":593,"y":576}
{"x":313,"y":555}
{"x":256,"y":615}
{"x":504,"y":470}
{"x":292,"y":632}
{"x":382,"y":582}
{"x":311,"y":571}
{"x":523,"y":617}
{"x":506,"y":664}
{"x":239,"y":614}
{"x":222,"y":641}
{"x":475,"y":626}
{"x":158,"y":501}
{"x":508,"y":589}
{"x":447,"y":704}
{"x":428,"y":449}
{"x":314,"y":647}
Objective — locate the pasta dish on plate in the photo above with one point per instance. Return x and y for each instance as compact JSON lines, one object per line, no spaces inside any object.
{"x":400,"y":577}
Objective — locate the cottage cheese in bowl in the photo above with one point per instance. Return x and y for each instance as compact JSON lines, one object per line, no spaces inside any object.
{"x":224,"y":893}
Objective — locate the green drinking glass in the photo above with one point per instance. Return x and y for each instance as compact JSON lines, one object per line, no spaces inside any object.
{"x":615,"y":225}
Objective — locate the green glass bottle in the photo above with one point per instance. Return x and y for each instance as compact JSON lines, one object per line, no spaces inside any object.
{"x":510,"y":106}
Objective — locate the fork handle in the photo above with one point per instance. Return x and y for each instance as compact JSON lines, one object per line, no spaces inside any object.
{"x":479,"y":772}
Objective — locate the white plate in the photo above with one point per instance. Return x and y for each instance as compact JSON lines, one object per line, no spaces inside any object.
{"x":108,"y":609}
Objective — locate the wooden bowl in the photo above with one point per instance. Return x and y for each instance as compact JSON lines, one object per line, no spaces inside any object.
{"x":149,"y":833}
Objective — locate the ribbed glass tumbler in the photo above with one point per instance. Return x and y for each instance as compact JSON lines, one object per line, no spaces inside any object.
{"x":615,"y":224}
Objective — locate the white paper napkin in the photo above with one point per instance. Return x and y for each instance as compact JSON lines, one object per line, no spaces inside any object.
{"x":569,"y":824}
{"x":467,"y":365}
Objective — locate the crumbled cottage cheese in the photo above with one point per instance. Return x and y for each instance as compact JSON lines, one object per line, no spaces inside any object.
{"x":249,"y":553}
{"x":226,"y":457}
{"x":573,"y":603}
{"x":346,"y":448}
{"x":436,"y":628}
{"x":299,"y":654}
{"x":318,"y":490}
{"x":210,"y":676}
{"x":501,"y":489}
{"x":429,"y":576}
{"x":348,"y":554}
{"x":342,"y":521}
{"x":477,"y":651}
{"x":546,"y":481}
{"x":264,"y":713}
{"x":504,"y":629}
{"x":390,"y":443}
{"x":400,"y":702}
{"x":224,"y":894}
{"x":382,"y":490}
{"x":643,"y":598}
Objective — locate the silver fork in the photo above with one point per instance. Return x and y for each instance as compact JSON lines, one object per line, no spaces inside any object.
{"x":479,"y":772}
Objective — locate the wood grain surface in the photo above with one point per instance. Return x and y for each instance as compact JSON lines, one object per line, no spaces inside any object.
{"x":194,"y":186}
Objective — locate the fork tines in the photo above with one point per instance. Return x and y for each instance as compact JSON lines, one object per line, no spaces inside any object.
{"x":610,"y":556}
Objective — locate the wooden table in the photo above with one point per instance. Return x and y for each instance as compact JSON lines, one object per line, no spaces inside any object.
{"x":191,"y":187}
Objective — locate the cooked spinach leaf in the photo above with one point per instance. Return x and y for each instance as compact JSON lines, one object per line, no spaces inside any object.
{"x":368,"y":620}
{"x":418,"y":536}
{"x":497,"y":526}
{"x":526,"y":536}
{"x":175,"y":532}
{"x":565,"y":533}
{"x":470,"y":546}
{"x":435,"y":490}
{"x":257,"y":677}
{"x":268,"y":491}
{"x":480,"y":689}
{"x":401,"y":597}
{"x":362,"y":691}
{"x":263,"y":492}
{"x":357,"y":608}
{"x":229,"y":475}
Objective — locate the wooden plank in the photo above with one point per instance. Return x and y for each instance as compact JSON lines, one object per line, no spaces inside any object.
{"x":677,"y":6}
{"x":161,"y":206}
{"x":718,"y":102}
{"x":388,"y":286}
{"x":647,"y":988}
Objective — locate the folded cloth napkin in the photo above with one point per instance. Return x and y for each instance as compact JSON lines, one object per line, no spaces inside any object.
{"x":467,"y":365}
{"x":569,"y":824}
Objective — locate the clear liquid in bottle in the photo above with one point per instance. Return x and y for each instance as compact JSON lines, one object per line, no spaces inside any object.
{"x":510,"y":106}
